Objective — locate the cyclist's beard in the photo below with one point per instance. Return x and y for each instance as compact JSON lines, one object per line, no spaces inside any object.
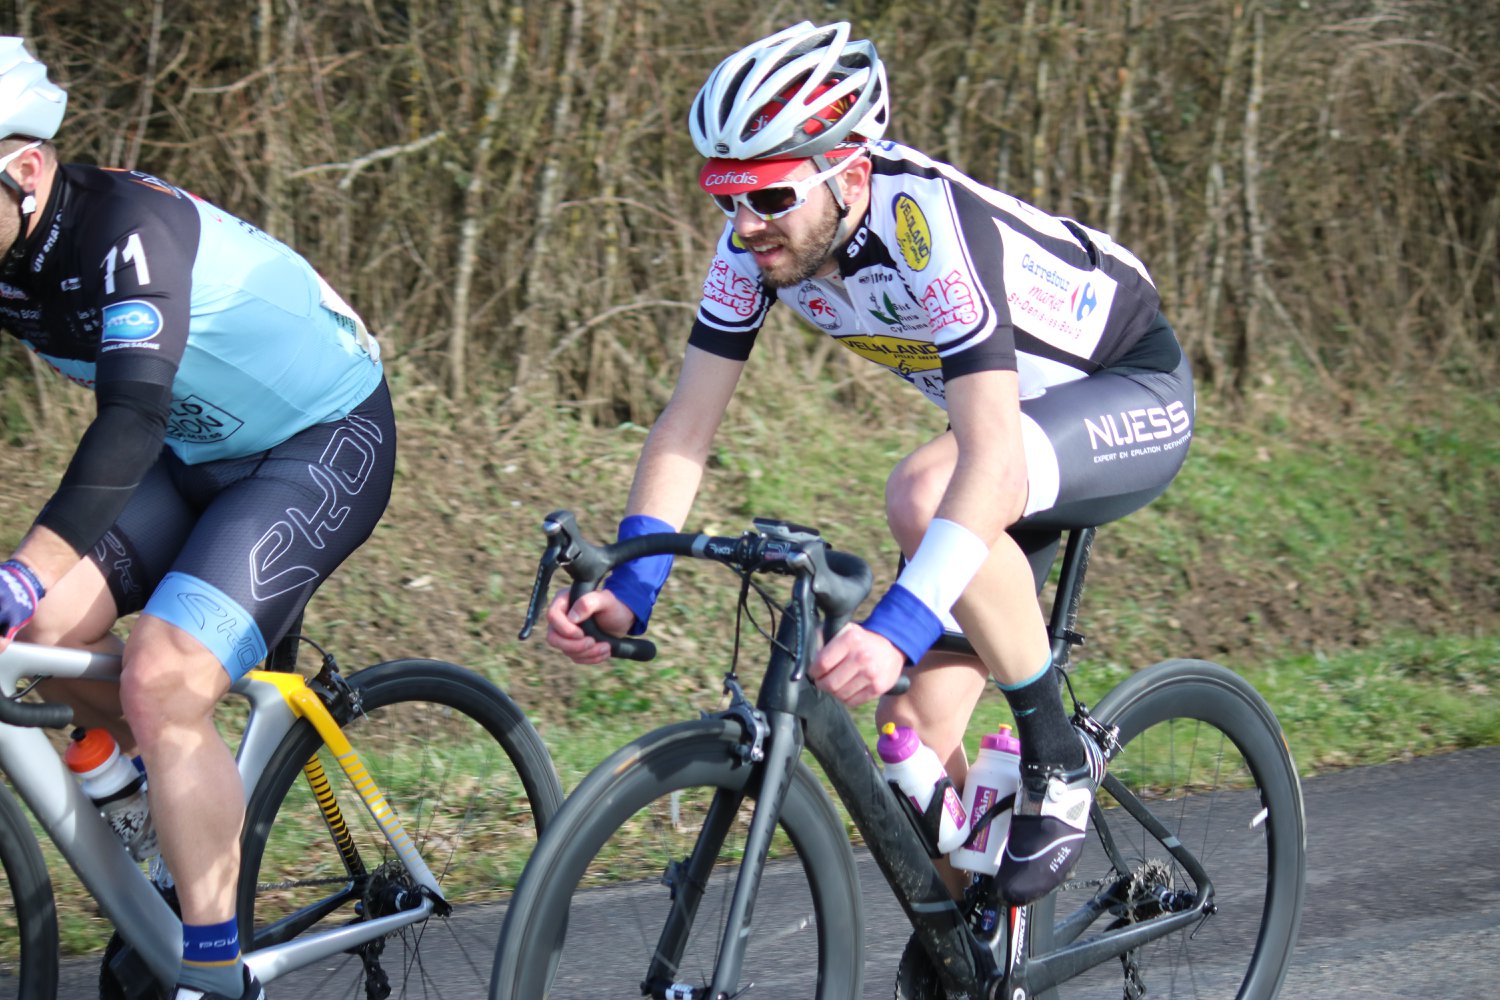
{"x":806,"y":252}
{"x":12,"y":240}
{"x":12,"y":222}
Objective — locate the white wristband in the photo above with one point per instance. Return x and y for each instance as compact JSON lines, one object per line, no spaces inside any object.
{"x":944,"y":565}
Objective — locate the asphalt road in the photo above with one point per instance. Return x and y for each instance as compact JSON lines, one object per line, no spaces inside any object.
{"x":1403,"y":890}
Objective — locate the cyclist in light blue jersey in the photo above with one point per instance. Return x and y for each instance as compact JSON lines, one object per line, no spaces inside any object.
{"x":242,"y":448}
{"x":1068,"y":397}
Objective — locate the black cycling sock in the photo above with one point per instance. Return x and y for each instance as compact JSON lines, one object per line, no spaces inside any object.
{"x":1047,"y":737}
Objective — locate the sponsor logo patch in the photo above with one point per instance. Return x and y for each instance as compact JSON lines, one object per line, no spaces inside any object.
{"x":731,"y":177}
{"x":818,"y":307}
{"x":1084,"y":300}
{"x":896,"y":353}
{"x":130,"y":323}
{"x":195,"y":420}
{"x":728,"y":288}
{"x":949,"y":300}
{"x":912,"y":233}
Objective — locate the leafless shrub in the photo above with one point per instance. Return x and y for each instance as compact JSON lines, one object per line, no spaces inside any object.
{"x":506,"y":189}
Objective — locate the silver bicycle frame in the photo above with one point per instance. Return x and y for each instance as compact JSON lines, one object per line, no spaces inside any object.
{"x":104,"y":866}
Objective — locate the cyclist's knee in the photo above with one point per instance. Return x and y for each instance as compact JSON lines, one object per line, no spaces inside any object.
{"x":169,"y":679}
{"x":913,"y":491}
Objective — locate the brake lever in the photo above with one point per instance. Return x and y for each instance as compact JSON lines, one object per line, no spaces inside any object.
{"x":544,"y":570}
{"x":806,"y":611}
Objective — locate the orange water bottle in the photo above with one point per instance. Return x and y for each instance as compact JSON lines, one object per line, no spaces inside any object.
{"x":117,"y":789}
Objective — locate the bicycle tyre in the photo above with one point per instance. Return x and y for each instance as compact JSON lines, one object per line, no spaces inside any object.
{"x":473,"y":784}
{"x":1183,"y":724}
{"x":28,"y":958}
{"x":694,"y":760}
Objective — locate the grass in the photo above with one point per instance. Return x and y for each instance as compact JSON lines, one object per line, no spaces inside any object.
{"x":1414,"y":697}
{"x":456,"y":794}
{"x":1345,"y":567}
{"x":1342,"y":561}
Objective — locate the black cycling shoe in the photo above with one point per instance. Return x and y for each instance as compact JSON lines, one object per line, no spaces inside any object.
{"x":252,"y":991}
{"x":1047,"y":826}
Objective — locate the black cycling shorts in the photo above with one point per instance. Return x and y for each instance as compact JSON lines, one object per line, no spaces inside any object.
{"x":1098,"y":449}
{"x":230,"y":551}
{"x":1105,"y":445}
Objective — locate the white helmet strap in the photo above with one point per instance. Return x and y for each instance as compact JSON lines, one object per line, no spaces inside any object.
{"x":28,"y":198}
{"x":823,"y":164}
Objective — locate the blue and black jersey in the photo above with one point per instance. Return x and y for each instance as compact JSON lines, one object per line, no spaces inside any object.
{"x":194,"y":329}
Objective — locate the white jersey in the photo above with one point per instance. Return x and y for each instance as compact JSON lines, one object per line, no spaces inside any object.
{"x":945,"y":277}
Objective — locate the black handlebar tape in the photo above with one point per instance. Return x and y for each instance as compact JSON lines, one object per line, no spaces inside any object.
{"x":620,"y":646}
{"x":36,"y":715}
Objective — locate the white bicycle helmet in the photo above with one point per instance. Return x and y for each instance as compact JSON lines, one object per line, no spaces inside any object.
{"x":30,"y":104}
{"x":780,"y":97}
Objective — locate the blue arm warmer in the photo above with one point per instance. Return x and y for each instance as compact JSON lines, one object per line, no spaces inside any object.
{"x":638,"y":582}
{"x":910,"y":625}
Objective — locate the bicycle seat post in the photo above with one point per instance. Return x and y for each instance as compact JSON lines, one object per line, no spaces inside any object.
{"x":1069,"y":595}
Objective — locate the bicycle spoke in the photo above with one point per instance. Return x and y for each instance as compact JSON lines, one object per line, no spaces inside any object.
{"x":429,"y":738}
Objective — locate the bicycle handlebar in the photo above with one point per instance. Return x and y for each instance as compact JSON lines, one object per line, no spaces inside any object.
{"x":836,"y":582}
{"x":35,"y":715}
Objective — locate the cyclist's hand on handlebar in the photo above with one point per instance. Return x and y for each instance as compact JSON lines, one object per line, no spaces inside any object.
{"x":857,"y":665}
{"x":20,"y":592}
{"x":564,"y":632}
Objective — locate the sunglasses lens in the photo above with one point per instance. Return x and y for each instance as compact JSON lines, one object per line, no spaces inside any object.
{"x":725,"y":203}
{"x":773,"y":201}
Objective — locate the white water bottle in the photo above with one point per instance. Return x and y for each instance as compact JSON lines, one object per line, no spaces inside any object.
{"x":996,"y":773}
{"x":914,"y":768}
{"x":116,"y":788}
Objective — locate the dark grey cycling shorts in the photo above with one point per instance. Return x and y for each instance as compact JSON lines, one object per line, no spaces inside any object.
{"x":1098,"y":449}
{"x":1105,"y":445}
{"x":230,"y":551}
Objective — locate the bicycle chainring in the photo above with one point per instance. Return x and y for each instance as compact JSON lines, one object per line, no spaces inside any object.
{"x":917,"y":979}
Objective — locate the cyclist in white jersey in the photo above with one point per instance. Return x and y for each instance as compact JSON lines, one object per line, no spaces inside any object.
{"x":242,"y":448}
{"x":1068,"y":398}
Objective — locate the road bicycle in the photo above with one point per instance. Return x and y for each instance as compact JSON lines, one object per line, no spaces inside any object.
{"x":453,"y":784}
{"x":731,"y":874}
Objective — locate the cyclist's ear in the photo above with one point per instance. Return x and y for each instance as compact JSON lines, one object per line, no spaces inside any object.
{"x":854,"y":180}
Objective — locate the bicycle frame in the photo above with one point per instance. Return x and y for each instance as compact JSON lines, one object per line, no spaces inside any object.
{"x":104,"y":866}
{"x":790,"y":712}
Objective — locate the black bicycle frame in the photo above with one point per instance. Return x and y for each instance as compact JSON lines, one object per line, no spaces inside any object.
{"x":794,"y":713}
{"x":791,"y":713}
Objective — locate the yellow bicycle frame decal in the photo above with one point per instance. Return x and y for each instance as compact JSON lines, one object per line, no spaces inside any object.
{"x":305,"y":704}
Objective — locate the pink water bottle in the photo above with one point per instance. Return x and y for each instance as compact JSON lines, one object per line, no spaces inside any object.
{"x":914,"y":767}
{"x":995,"y":774}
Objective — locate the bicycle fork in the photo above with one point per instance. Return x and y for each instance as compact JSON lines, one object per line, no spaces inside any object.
{"x":781,"y":738}
{"x":305,"y":703}
{"x":784,"y":747}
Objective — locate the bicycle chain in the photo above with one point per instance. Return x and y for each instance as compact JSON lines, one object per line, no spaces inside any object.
{"x":299,"y":883}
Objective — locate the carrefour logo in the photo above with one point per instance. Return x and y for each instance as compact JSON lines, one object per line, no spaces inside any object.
{"x":130,"y":322}
{"x":1084,"y":300}
{"x":912,"y":234}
